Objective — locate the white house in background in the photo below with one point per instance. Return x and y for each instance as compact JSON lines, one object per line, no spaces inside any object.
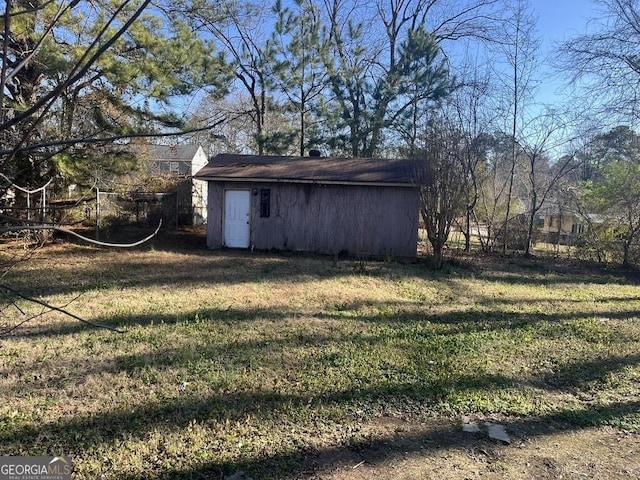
{"x":183,"y":161}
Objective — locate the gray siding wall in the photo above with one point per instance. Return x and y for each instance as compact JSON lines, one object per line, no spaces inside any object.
{"x":215,"y":214}
{"x":325,"y":219}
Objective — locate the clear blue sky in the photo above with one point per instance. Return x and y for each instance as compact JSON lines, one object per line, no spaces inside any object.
{"x":560,"y":19}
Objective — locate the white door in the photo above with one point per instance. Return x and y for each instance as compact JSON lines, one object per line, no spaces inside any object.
{"x":236,"y":218}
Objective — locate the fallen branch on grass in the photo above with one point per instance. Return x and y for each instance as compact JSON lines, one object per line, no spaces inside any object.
{"x":6,"y":288}
{"x":53,"y":308}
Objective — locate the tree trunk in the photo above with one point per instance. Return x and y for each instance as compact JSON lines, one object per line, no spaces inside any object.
{"x":626,"y":247}
{"x":467,"y":233}
{"x":529,"y":240}
{"x":509,"y":197}
{"x":532,"y":219}
{"x":437,"y":259}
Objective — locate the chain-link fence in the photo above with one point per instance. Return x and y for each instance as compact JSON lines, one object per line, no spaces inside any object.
{"x":137,"y":209}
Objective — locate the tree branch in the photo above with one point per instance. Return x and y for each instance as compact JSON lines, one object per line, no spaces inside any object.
{"x":54,"y":308}
{"x":110,"y":139}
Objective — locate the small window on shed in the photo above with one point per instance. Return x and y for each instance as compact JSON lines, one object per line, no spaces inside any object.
{"x":174,"y":167}
{"x":265,"y":202}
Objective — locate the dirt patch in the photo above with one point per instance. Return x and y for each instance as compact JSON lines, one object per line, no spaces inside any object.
{"x":439,"y":449}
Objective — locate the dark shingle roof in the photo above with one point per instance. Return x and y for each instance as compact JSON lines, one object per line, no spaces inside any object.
{"x":328,"y":170}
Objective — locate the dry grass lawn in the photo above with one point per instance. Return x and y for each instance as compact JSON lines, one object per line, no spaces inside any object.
{"x":289,"y":366}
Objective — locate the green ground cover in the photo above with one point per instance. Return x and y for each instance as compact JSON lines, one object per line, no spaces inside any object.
{"x":252,"y":361}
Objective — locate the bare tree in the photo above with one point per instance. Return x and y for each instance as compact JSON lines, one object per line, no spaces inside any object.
{"x":442,"y":179}
{"x":493,"y":179}
{"x":468,"y":108}
{"x":546,"y":134}
{"x":518,"y":49}
{"x":604,"y":63}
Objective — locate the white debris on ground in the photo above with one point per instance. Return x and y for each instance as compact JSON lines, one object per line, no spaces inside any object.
{"x":497,"y":432}
{"x":494,"y":431}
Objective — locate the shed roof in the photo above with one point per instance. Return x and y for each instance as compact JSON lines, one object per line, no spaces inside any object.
{"x":325,"y":170}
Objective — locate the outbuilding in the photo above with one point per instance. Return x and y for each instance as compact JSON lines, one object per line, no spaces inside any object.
{"x":354,"y":206}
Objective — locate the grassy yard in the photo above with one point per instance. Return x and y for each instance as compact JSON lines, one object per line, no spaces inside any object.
{"x":257,"y":361}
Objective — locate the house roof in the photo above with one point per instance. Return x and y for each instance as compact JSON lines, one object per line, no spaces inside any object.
{"x":324,"y":170}
{"x":168,"y":153}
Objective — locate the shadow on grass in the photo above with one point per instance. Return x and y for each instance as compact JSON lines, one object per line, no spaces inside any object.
{"x":542,"y":267}
{"x":177,"y":412}
{"x":536,"y":301}
{"x":148,"y":268}
{"x":554,"y":279}
{"x":131,"y":271}
{"x":402,"y":322}
{"x":242,"y":354}
{"x":403,"y":313}
{"x":582,"y":374}
{"x":378,"y":451}
{"x":109,"y":428}
{"x":112,"y":426}
{"x":125,"y":322}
